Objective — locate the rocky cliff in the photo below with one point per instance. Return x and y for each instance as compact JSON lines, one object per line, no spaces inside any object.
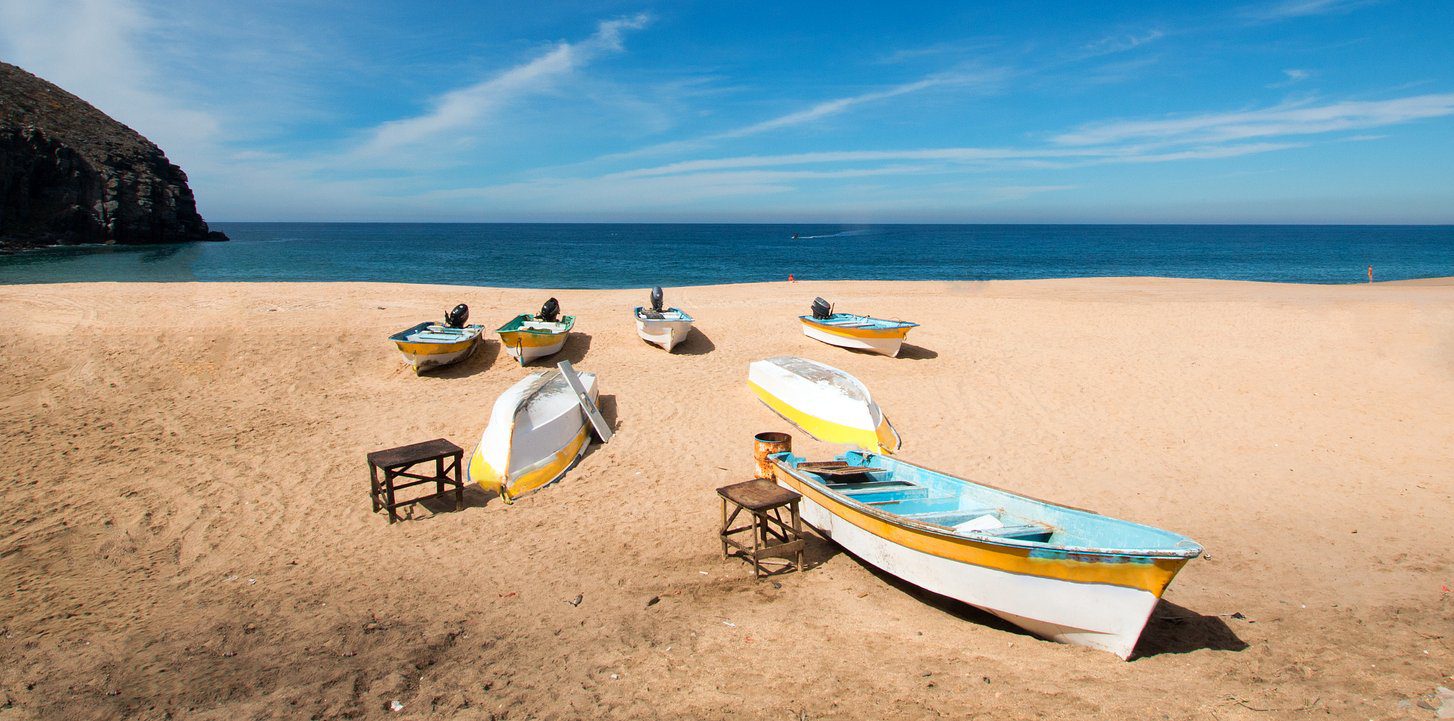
{"x":69,"y":174}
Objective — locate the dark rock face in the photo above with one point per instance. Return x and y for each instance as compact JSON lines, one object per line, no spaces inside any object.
{"x":71,"y":174}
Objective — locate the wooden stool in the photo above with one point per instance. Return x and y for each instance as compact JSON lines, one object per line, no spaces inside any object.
{"x":396,"y":462}
{"x":772,"y":535}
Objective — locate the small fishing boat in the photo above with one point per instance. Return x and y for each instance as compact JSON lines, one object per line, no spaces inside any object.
{"x":432,"y":345}
{"x":665,"y":327}
{"x":1062,"y":573}
{"x":827,"y":403}
{"x":859,"y":332}
{"x":537,"y":432}
{"x":528,"y":337}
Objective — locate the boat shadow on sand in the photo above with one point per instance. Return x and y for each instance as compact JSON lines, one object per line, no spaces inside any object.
{"x":696,"y":343}
{"x":1172,"y":628}
{"x":907,"y":351}
{"x":485,"y":355}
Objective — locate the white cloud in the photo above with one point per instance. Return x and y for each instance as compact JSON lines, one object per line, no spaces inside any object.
{"x":1268,"y":122}
{"x":1287,"y":9}
{"x":459,"y":113}
{"x":1121,"y":43}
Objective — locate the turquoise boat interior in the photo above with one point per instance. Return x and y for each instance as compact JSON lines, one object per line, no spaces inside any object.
{"x":850,"y":320}
{"x":942,"y":503}
{"x":673,"y":314}
{"x":431,"y":332}
{"x":528,"y":323}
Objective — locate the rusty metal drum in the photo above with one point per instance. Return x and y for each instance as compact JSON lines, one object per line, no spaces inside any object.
{"x":766,"y":444}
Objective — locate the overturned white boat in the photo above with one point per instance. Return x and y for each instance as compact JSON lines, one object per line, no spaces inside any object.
{"x":537,"y":432}
{"x":828,"y":403}
{"x":661,"y":325}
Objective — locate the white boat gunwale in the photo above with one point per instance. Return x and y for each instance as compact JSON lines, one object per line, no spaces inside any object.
{"x":465,"y":333}
{"x":864,"y":322}
{"x":781,"y":460}
{"x":640,"y":312}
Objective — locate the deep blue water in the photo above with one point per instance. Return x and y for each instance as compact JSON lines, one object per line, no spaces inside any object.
{"x":642,"y":255}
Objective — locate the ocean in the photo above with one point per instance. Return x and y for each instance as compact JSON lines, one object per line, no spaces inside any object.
{"x":544,"y":255}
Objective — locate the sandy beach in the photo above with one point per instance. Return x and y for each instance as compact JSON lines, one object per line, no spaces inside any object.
{"x":185,"y":529}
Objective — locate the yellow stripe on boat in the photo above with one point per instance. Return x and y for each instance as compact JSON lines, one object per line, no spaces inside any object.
{"x":900,"y":332}
{"x":550,"y":471}
{"x":515,"y":339}
{"x":482,"y":473}
{"x":1153,"y":576}
{"x":884,"y":438}
{"x":434,"y":348}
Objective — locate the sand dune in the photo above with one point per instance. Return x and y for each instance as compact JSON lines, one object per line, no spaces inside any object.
{"x":185,"y":530}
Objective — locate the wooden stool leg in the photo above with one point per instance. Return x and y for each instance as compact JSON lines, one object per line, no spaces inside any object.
{"x":439,"y":476}
{"x":374,"y":486}
{"x":389,"y":495}
{"x":722,"y":532}
{"x":759,"y":540}
{"x":797,"y":532}
{"x":458,"y":482}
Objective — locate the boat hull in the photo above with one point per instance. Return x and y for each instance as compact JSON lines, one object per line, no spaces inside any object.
{"x":1098,"y":601}
{"x":527,"y":347}
{"x":664,"y":333}
{"x":423,"y":355}
{"x":527,"y":446}
{"x":824,"y":415}
{"x":527,"y":338}
{"x":882,"y":341}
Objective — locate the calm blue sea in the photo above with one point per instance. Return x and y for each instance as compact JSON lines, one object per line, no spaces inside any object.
{"x":642,"y":255}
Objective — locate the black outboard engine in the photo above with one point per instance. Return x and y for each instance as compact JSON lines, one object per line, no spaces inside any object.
{"x":457,"y":317}
{"x":821,"y":309}
{"x":656,"y":299}
{"x":550,"y":312}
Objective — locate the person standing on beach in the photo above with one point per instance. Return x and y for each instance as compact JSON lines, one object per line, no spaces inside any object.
{"x":1370,"y":274}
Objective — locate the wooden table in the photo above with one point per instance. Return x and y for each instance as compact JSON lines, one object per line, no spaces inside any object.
{"x":397,"y":462}
{"x":773,"y":536}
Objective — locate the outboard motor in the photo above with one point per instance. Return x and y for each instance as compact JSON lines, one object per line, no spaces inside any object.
{"x":821,"y":309}
{"x":550,"y":312}
{"x":656,"y":299}
{"x":457,"y":317}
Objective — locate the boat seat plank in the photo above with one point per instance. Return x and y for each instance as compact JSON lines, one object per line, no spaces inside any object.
{"x":966,"y":514}
{"x":858,"y":489}
{"x":1025,"y":530}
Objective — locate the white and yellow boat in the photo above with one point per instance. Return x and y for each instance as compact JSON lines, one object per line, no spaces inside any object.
{"x":858,"y":332}
{"x":537,"y":432}
{"x":660,"y":325}
{"x":827,"y":403}
{"x":431,"y":345}
{"x":1061,"y":573}
{"x":529,"y":337}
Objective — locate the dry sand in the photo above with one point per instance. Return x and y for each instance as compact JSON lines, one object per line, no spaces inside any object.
{"x":185,"y":530}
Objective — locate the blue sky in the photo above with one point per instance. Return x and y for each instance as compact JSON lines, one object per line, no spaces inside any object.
{"x":1284,"y":111}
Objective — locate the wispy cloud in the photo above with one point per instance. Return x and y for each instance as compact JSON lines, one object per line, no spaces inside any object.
{"x":1291,"y":76}
{"x":457,"y":115}
{"x":1287,"y":9}
{"x":838,"y":105}
{"x":1121,"y":43}
{"x":1275,"y":121}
